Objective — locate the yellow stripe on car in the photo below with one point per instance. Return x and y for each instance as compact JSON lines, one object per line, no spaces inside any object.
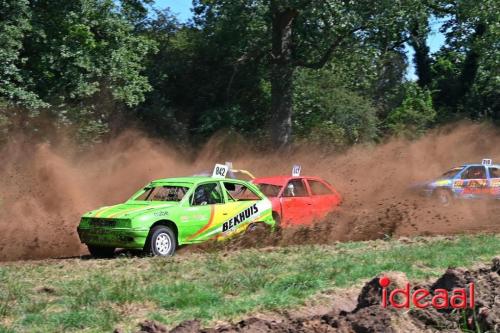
{"x":102,"y":211}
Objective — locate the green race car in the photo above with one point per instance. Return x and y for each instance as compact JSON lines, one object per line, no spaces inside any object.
{"x":170,"y":212}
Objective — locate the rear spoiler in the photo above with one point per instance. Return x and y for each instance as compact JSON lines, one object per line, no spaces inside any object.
{"x":232,"y":171}
{"x":244,"y":172}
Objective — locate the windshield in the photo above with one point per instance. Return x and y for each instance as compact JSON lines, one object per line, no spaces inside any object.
{"x":163,"y":193}
{"x":269,"y":190}
{"x":451,"y":173}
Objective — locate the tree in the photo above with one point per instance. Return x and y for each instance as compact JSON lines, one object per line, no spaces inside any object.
{"x":419,"y":33}
{"x":198,"y":86}
{"x":465,"y":70}
{"x":14,"y":26}
{"x":301,"y":33}
{"x":329,"y":112}
{"x":76,"y":62}
{"x":415,"y":115}
{"x":80,"y":48}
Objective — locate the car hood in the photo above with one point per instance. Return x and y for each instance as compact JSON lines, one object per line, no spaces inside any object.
{"x":420,"y":185}
{"x":432,"y":183}
{"x":129,"y":209}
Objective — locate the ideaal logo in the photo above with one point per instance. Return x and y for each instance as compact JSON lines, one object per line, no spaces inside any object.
{"x":458,"y":298}
{"x":241,"y":217}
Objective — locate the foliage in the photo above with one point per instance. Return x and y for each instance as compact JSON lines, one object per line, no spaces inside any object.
{"x":71,"y":57}
{"x":92,"y":66}
{"x":289,"y":34}
{"x":14,"y":25}
{"x":327,"y":113}
{"x":466,"y":70}
{"x":81,"y":49}
{"x":415,"y":115}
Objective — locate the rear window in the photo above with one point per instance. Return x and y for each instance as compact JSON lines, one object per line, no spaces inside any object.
{"x":494,"y":172}
{"x":269,"y":190}
{"x":239,"y":192}
{"x":163,"y":193}
{"x":318,"y":188}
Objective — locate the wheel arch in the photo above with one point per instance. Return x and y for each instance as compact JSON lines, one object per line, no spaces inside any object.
{"x":166,"y":223}
{"x":277,"y":217}
{"x":442,"y":188}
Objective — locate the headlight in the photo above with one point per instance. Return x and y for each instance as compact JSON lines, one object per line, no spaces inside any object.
{"x":123,"y":223}
{"x":84,"y":221}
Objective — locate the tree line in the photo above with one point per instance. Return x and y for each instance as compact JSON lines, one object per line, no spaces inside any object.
{"x":331,"y":72}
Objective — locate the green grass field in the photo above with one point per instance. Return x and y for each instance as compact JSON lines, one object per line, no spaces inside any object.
{"x":75,"y":295}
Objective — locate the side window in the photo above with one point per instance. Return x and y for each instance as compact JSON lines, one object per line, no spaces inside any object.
{"x":207,"y":194}
{"x":318,"y":188}
{"x":494,"y":172}
{"x":295,"y":188}
{"x":474,"y":172}
{"x":239,"y":192}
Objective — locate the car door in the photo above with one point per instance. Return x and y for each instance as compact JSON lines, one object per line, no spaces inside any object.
{"x":238,"y":211}
{"x":494,"y":181}
{"x":473,"y":183}
{"x":296,"y":203}
{"x":200,"y":217}
{"x":323,"y":199}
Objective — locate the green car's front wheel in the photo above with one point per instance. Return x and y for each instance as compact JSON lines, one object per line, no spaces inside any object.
{"x":162,"y":241}
{"x":101,"y":251}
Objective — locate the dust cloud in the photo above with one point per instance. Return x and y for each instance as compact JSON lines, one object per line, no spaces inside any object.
{"x":45,"y":188}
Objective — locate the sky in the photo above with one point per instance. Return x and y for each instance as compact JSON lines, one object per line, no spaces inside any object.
{"x":182,"y":9}
{"x":435,"y":40}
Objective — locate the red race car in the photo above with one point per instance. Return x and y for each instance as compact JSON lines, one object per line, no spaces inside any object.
{"x":299,"y":200}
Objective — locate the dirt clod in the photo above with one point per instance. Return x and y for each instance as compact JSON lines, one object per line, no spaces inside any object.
{"x":151,"y":326}
{"x":46,"y":290}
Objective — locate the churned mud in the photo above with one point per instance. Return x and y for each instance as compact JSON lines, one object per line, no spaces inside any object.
{"x":46,"y":187}
{"x":364,"y":313}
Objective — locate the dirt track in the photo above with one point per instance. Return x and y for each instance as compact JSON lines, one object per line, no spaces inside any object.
{"x":46,"y":188}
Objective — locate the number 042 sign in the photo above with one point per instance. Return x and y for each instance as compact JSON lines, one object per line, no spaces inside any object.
{"x":220,"y":171}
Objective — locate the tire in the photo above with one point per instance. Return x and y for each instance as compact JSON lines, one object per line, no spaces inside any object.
{"x":277,"y":220}
{"x":444,"y":197}
{"x":101,"y":251}
{"x":278,"y":227}
{"x":162,"y":241}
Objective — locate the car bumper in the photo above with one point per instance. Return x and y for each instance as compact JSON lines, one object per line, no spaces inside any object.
{"x":114,"y":237}
{"x":426,"y":192}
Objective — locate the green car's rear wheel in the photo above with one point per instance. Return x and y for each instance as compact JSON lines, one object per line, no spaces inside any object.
{"x":162,"y":241}
{"x":101,"y":251}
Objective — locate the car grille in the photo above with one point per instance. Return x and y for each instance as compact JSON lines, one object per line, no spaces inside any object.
{"x":102,"y":223}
